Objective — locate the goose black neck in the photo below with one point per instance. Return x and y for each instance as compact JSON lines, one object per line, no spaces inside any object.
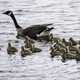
{"x":14,"y":20}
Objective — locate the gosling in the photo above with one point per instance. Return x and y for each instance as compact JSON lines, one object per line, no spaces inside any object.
{"x":53,"y":52}
{"x":72,"y":41}
{"x":66,"y":43}
{"x":11,"y":50}
{"x":25,"y":52}
{"x":35,"y":49}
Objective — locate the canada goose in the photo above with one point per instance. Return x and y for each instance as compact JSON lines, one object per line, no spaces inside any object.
{"x":10,"y":49}
{"x":25,"y":52}
{"x":31,"y":31}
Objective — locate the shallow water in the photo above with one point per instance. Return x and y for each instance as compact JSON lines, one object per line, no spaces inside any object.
{"x":65,"y":16}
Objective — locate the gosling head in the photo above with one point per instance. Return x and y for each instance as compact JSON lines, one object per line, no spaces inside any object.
{"x":51,"y":35}
{"x":70,"y":39}
{"x":9,"y":44}
{"x":9,"y":13}
{"x":22,"y":48}
{"x":63,"y":40}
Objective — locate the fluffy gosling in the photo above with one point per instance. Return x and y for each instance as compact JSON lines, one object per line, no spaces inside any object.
{"x":66,"y":43}
{"x":11,"y":50}
{"x":53,"y":52}
{"x":35,"y":49}
{"x":72,"y":41}
{"x":25,"y":52}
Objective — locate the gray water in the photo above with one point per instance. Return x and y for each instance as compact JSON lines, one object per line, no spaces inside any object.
{"x":65,"y":16}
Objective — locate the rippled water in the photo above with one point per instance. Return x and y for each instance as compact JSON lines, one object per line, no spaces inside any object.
{"x":65,"y":16}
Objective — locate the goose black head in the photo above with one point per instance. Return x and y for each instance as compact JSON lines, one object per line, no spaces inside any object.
{"x":8,"y":13}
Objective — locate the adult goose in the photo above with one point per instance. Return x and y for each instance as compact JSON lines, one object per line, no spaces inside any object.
{"x":31,"y":31}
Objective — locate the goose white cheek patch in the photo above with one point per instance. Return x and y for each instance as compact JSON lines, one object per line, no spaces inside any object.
{"x":9,"y":14}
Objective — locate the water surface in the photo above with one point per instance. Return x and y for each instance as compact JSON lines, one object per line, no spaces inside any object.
{"x":65,"y":16}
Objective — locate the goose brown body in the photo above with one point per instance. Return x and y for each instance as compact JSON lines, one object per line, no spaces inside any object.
{"x":30,"y":31}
